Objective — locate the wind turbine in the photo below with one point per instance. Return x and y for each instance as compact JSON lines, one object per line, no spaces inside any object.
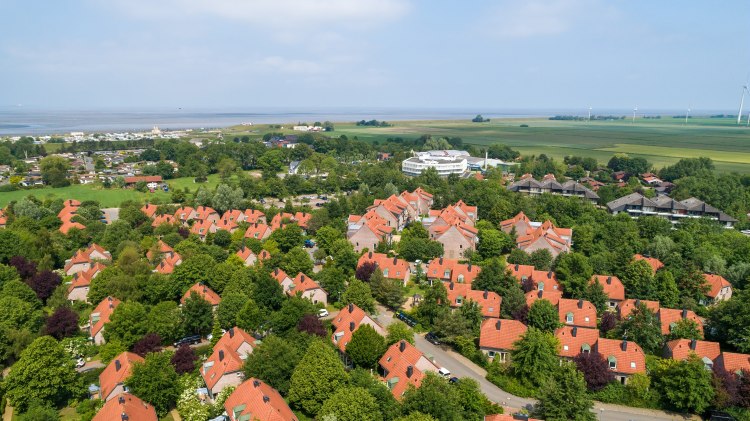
{"x":687,"y":115}
{"x":589,"y":113}
{"x":742,"y":102}
{"x":634,"y":110}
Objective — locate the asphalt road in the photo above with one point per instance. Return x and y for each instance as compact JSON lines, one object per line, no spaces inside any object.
{"x":462,"y":367}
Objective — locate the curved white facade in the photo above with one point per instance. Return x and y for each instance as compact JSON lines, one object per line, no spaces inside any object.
{"x":445,"y":165}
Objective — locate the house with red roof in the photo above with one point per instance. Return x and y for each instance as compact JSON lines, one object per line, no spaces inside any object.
{"x":302,"y":219}
{"x":626,"y":306}
{"x":395,"y":210}
{"x":99,"y":317}
{"x":367,"y":231}
{"x":226,"y":225}
{"x":579,"y":313}
{"x":204,"y":292}
{"x":669,"y":318}
{"x":254,"y":216}
{"x":255,"y":400}
{"x":456,"y":238}
{"x":444,"y":269}
{"x":655,"y":263}
{"x":79,"y":286}
{"x":258,"y":231}
{"x":163,"y":219}
{"x":532,"y":236}
{"x":538,"y":280}
{"x":403,"y":365}
{"x":126,"y":407}
{"x":419,"y":200}
{"x":613,"y":287}
{"x":112,"y":379}
{"x":185,"y":214}
{"x":305,"y":287}
{"x":520,"y":224}
{"x":83,"y":260}
{"x":162,"y":250}
{"x":206,"y":213}
{"x":203,"y":227}
{"x":264,"y":255}
{"x":349,"y":319}
{"x":576,"y":340}
{"x":719,"y":289}
{"x":68,"y":225}
{"x":680,"y":349}
{"x":497,"y":336}
{"x":234,"y":215}
{"x":624,"y":358}
{"x":392,"y":268}
{"x":149,"y":210}
{"x":224,"y":367}
{"x":553,"y":297}
{"x":733,"y":362}
{"x":168,"y":262}
{"x":458,"y":294}
{"x":247,"y":256}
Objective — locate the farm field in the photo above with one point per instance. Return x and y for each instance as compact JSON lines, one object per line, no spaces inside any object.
{"x":661,"y":141}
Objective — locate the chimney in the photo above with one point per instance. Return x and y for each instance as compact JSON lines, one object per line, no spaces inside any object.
{"x":624,"y":345}
{"x":351,"y":326}
{"x":409,"y":371}
{"x":469,"y":267}
{"x":266,"y":399}
{"x":121,"y":399}
{"x":369,"y":255}
{"x":580,"y":303}
{"x":302,"y":279}
{"x":231,"y":332}
{"x":440,"y":261}
{"x":539,"y":294}
{"x":118,"y":365}
{"x":609,"y":280}
{"x":637,"y":302}
{"x":256,"y":383}
{"x":498,"y":324}
{"x":684,"y":313}
{"x":395,"y":260}
{"x":124,"y":417}
{"x":516,"y":267}
{"x":451,"y":286}
{"x":276,"y":271}
{"x":221,"y":355}
{"x":693,"y":344}
{"x":351,"y":308}
{"x":485,"y":294}
{"x":549,"y":275}
{"x":402,"y":346}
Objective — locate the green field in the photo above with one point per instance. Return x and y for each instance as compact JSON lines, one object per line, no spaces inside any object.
{"x":662,"y":142}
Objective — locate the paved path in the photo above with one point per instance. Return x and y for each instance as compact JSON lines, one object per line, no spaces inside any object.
{"x":460,"y":366}
{"x":90,"y":365}
{"x":8,"y":414}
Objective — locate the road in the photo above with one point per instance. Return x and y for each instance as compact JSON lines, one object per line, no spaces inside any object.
{"x":462,"y":367}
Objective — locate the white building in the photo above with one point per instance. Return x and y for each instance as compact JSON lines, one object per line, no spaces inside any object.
{"x":446,"y":162}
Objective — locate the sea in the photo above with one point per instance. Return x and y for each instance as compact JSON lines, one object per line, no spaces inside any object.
{"x":21,"y":120}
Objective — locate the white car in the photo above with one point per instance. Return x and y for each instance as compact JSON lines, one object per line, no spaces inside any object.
{"x":80,"y":362}
{"x":444,"y":372}
{"x":322,"y":313}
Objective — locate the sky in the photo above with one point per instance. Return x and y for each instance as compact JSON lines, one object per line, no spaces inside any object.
{"x":476,"y":54}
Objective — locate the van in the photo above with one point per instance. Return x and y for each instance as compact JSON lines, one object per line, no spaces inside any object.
{"x":444,"y":372}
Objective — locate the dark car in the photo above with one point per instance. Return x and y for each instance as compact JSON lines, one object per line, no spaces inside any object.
{"x":432,"y":338}
{"x":453,"y":380}
{"x":188,"y":340}
{"x":309,"y":243}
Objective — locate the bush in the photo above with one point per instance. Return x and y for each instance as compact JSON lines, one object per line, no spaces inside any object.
{"x":466,"y":347}
{"x":618,"y":394}
{"x":499,"y":375}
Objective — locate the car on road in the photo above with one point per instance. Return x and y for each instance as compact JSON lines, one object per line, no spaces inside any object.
{"x":406,"y":319}
{"x":432,"y":338}
{"x":188,"y":340}
{"x":323,"y":313}
{"x":444,"y":372}
{"x":453,"y":380}
{"x":80,"y":362}
{"x":309,"y":243}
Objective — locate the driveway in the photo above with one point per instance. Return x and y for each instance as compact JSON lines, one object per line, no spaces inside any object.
{"x":462,"y":367}
{"x":90,"y":365}
{"x":111,"y":214}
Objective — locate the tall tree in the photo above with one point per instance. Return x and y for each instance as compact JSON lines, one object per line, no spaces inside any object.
{"x":434,"y":397}
{"x":534,"y":357}
{"x":184,"y":359}
{"x":127,"y":324}
{"x":155,"y":381}
{"x":686,"y":385}
{"x":543,"y":316}
{"x":273,"y":361}
{"x":564,"y":396}
{"x":389,"y":292}
{"x":316,"y":378}
{"x":366,"y":347}
{"x":595,"y":370}
{"x":350,"y":404}
{"x":62,"y":323}
{"x":197,"y":315}
{"x":359,"y":293}
{"x":434,"y":304}
{"x":641,"y":326}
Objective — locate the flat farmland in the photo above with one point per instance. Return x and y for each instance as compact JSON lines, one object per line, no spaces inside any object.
{"x":662,"y":141}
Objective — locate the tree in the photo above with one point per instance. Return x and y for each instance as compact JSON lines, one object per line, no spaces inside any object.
{"x":692,"y":284}
{"x":666,"y":290}
{"x":399,"y":331}
{"x":434,"y":397}
{"x":155,"y":381}
{"x":434,"y":304}
{"x":291,"y":313}
{"x":543,"y":316}
{"x":62,"y":323}
{"x":127,"y":324}
{"x":502,"y":152}
{"x":44,"y":284}
{"x":416,"y":416}
{"x":573,"y":272}
{"x":641,"y":326}
{"x":316,"y":378}
{"x":389,"y":292}
{"x":164,"y":320}
{"x":541,"y":259}
{"x":184,"y":359}
{"x":685,"y":329}
{"x":638,"y":279}
{"x":197,"y":315}
{"x":389,"y":407}
{"x":366,"y":347}
{"x":493,"y":243}
{"x":54,"y":169}
{"x":147,"y":344}
{"x":296,"y":261}
{"x":231,"y":304}
{"x":594,"y":293}
{"x":344,"y":256}
{"x":333,"y":280}
{"x":685,"y":385}
{"x":730,"y":321}
{"x":326,"y":236}
{"x":564,"y":396}
{"x":365,"y":271}
{"x":359,"y":293}
{"x":288,"y":237}
{"x":595,"y":370}
{"x":534,"y":357}
{"x":227,"y":198}
{"x":222,"y":238}
{"x":310,"y":323}
{"x":194,"y":269}
{"x":350,"y":404}
{"x":267,"y":293}
{"x":44,"y":373}
{"x":273,"y":361}
{"x":250,"y":316}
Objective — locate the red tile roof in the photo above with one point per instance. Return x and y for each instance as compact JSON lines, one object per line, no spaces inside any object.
{"x":680,"y":349}
{"x":149,"y":210}
{"x":393,"y":268}
{"x":489,"y":301}
{"x":303,"y":283}
{"x":402,"y":363}
{"x":144,"y":178}
{"x":168,"y":263}
{"x":226,"y":224}
{"x":204,"y":292}
{"x":655,"y":264}
{"x":629,"y":356}
{"x":612,"y":286}
{"x":163,"y":219}
{"x":83,"y":279}
{"x":500,"y":333}
{"x":117,"y":371}
{"x":203,"y":227}
{"x":438,"y":268}
{"x":627,"y":306}
{"x":573,"y":339}
{"x":184,"y":213}
{"x":105,"y":309}
{"x":203,"y":212}
{"x":551,"y":296}
{"x":127,"y":404}
{"x":258,"y":231}
{"x":68,"y":225}
{"x":716,"y":282}
{"x":245,"y":252}
{"x":582,"y":311}
{"x":347,"y":322}
{"x":668,"y":316}
{"x":259,"y":401}
{"x":253,"y":215}
{"x":226,"y":357}
{"x":733,"y":362}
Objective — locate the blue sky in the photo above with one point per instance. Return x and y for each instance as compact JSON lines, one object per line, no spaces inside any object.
{"x":530,"y":54}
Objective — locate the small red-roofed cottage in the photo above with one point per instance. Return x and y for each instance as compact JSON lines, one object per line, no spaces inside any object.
{"x":264,"y":255}
{"x":163,"y":219}
{"x":655,"y":263}
{"x":579,"y":313}
{"x":112,"y":379}
{"x":302,"y":219}
{"x":247,"y":256}
{"x":168,"y":263}
{"x":404,"y":365}
{"x":254,"y":216}
{"x":613,"y":287}
{"x":149,"y":210}
{"x":280,"y":220}
{"x":392,"y":268}
{"x":305,"y":287}
{"x":457,"y":238}
{"x":626,"y":306}
{"x":733,"y":363}
{"x":553,"y":297}
{"x":204,"y":292}
{"x":224,"y":367}
{"x":497,"y":336}
{"x":100,"y":317}
{"x":258,"y":231}
{"x":255,"y":400}
{"x":282,"y":278}
{"x":720,"y":288}
{"x":367,"y":231}
{"x":185,"y":214}
{"x":79,"y":286}
{"x":680,"y":349}
{"x":349,"y":319}
{"x":458,"y":294}
{"x":545,"y":280}
{"x":205,"y":213}
{"x":164,"y":250}
{"x":70,"y":225}
{"x":126,"y":407}
{"x":669,"y":318}
{"x":445,"y":269}
{"x":226,"y":225}
{"x":234,"y":215}
{"x":624,"y":358}
{"x":576,"y":340}
{"x":520,"y":272}
{"x":83,"y":259}
{"x":203,"y":227}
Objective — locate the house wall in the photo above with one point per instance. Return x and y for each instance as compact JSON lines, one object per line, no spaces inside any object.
{"x":316,"y":296}
{"x":392,"y":220}
{"x":425,"y":365}
{"x":250,"y":261}
{"x":541,"y":244}
{"x":368,"y":321}
{"x":502,"y":354}
{"x":79,"y":294}
{"x":78,"y":267}
{"x":724,"y":294}
{"x":228,"y":379}
{"x":116,"y":391}
{"x":99,"y":338}
{"x":364,"y":238}
{"x":454,"y":244}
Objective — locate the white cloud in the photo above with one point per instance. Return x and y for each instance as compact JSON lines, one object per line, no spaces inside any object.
{"x":533,"y":18}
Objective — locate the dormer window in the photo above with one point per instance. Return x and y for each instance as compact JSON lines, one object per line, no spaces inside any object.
{"x":569,"y":318}
{"x":585,"y":348}
{"x":460,"y":278}
{"x":632,"y":364}
{"x":447,"y":274}
{"x":612,"y":361}
{"x":459,"y":300}
{"x":540,"y":286}
{"x":385,"y":272}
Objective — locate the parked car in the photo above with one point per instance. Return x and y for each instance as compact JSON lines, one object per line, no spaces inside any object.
{"x":80,"y":363}
{"x":444,"y":372}
{"x":432,"y":338}
{"x":188,"y":340}
{"x":309,"y":243}
{"x":453,"y":380}
{"x":323,"y":313}
{"x":406,"y":319}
